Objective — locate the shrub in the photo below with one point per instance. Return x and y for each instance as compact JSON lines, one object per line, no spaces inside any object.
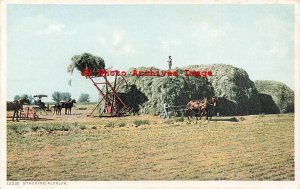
{"x":58,"y":127}
{"x":23,"y":130}
{"x":14,"y":127}
{"x":82,"y":127}
{"x":64,"y":127}
{"x":140,"y":122}
{"x":34,"y":128}
{"x":180,"y":119}
{"x":109,"y":124}
{"x":242,"y":119}
{"x":234,"y":119}
{"x":122,"y":124}
{"x":168,"y":121}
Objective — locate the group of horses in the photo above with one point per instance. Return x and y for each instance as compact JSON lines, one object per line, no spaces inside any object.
{"x":203,"y":107}
{"x":64,"y":104}
{"x":17,"y":106}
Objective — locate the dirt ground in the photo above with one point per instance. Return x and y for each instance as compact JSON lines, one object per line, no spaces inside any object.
{"x":145,"y":147}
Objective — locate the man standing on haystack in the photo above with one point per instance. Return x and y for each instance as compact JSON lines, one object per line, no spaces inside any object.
{"x":170,"y":62}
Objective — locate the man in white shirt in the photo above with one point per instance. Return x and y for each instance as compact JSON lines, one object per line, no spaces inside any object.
{"x":170,"y":62}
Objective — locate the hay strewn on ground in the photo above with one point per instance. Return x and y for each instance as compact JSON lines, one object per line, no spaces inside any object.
{"x":281,"y":94}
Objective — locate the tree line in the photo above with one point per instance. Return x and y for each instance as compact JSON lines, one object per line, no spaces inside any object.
{"x":58,"y":96}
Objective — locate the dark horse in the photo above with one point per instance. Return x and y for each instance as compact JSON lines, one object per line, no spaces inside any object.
{"x":210,"y":106}
{"x":16,"y":106}
{"x":68,"y":105}
{"x":57,"y":108}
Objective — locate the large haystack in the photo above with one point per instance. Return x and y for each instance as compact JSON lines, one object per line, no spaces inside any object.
{"x":282,"y":96}
{"x":176,"y":90}
{"x":238,"y":94}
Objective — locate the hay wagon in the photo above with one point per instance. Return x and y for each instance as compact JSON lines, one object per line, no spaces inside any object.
{"x":28,"y":113}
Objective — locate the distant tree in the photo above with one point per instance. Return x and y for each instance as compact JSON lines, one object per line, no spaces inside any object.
{"x":17,"y":97}
{"x":56,"y":96}
{"x":84,"y":97}
{"x":24,"y":95}
{"x":30,"y":97}
{"x":65,"y":95}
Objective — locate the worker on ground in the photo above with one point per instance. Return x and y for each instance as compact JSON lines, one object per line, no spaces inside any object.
{"x":166,"y":109}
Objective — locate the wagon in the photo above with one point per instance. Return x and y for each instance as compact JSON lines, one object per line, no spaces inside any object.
{"x":39,"y":105}
{"x":29,"y":113}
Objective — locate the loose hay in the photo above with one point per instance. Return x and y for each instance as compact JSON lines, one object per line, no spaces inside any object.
{"x":86,"y":61}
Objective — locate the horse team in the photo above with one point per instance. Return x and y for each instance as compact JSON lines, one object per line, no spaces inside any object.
{"x":64,"y":104}
{"x":202,"y":107}
{"x":17,"y":106}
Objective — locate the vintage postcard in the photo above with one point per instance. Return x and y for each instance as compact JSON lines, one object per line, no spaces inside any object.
{"x":153,"y":94}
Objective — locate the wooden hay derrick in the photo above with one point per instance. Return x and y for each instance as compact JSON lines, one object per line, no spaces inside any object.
{"x":113,"y":103}
{"x":93,"y":67}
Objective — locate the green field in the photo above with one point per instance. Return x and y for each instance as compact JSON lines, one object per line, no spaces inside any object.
{"x":149,"y":148}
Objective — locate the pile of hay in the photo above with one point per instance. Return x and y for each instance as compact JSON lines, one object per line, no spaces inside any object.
{"x":282,"y":97}
{"x":86,"y":61}
{"x":175,"y":90}
{"x":134,"y":98}
{"x":268,"y":106}
{"x":238,"y":94}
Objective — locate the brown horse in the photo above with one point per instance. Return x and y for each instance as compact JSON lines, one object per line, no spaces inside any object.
{"x":197,"y":107}
{"x":202,"y":107}
{"x":16,"y":106}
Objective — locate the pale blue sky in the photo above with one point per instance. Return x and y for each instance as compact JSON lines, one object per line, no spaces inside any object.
{"x":41,"y":40}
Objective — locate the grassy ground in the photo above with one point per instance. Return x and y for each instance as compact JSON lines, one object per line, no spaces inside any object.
{"x":144,"y":147}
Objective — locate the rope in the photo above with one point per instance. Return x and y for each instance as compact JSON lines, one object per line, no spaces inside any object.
{"x":177,"y":106}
